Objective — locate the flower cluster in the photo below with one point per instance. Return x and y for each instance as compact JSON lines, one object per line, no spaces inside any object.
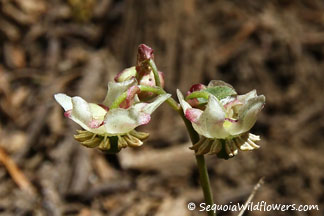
{"x":222,"y":118}
{"x":111,"y":125}
{"x":217,"y":113}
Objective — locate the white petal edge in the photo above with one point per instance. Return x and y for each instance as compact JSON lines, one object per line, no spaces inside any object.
{"x":182,"y":102}
{"x":244,"y":98}
{"x":151,"y":107}
{"x":247,"y":116}
{"x":81,"y":110}
{"x":116,"y":89}
{"x":210,"y":123}
{"x":64,"y":100}
{"x":121,"y":121}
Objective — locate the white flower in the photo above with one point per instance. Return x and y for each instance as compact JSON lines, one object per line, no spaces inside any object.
{"x":106,"y":121}
{"x":224,"y":122}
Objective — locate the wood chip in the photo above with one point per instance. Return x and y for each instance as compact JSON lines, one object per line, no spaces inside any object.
{"x":16,"y":174}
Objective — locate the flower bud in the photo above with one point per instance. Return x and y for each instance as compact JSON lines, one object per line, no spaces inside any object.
{"x":144,"y":53}
{"x":126,"y":74}
{"x":149,"y":80}
{"x":195,"y":101}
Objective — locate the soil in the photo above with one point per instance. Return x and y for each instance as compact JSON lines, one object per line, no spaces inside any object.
{"x":77,"y":46}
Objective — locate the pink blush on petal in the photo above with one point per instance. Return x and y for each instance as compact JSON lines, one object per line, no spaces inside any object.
{"x":68,"y":113}
{"x":104,"y":107}
{"x":131,"y":92}
{"x":95,"y":124}
{"x":193,"y":114}
{"x":144,"y":119}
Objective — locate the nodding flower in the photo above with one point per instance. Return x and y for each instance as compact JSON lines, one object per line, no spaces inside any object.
{"x":102,"y":123}
{"x":222,"y":118}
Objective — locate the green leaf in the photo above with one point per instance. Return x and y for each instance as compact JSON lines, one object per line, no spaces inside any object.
{"x":221,"y":92}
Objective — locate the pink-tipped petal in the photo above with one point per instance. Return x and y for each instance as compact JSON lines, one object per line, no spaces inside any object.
{"x":131,"y":92}
{"x":144,"y":119}
{"x":182,"y":101}
{"x":121,"y":121}
{"x":193,"y":114}
{"x":67,"y":114}
{"x":95,"y":123}
{"x":64,"y":100}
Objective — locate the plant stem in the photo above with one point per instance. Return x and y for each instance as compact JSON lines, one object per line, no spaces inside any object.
{"x":118,"y":100}
{"x":204,"y":182}
{"x":158,"y":90}
{"x":202,"y":168}
{"x":155,"y":72}
{"x":203,"y":172}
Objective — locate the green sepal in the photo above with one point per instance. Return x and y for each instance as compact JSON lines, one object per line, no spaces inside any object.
{"x":221,"y":92}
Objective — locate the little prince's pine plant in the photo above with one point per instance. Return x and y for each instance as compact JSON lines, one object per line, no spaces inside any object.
{"x":222,"y":118}
{"x":217,"y":119}
{"x":114,"y":119}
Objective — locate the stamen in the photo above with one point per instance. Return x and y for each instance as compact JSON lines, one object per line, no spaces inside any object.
{"x":231,"y":120}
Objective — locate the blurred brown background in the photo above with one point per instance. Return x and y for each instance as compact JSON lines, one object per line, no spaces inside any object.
{"x":76,"y":46}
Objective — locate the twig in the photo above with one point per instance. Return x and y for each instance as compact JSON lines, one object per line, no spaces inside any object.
{"x":16,"y":174}
{"x":255,"y":189}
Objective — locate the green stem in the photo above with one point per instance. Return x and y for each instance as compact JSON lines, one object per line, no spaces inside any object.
{"x":155,"y":90}
{"x":158,"y":90}
{"x":202,"y":168}
{"x":145,"y":88}
{"x":204,"y":181}
{"x":203,"y":173}
{"x":155,"y":72}
{"x":118,"y":101}
{"x":198,"y":94}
